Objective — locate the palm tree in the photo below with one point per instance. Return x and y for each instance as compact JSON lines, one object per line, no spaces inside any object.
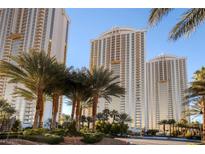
{"x":100,"y":116}
{"x":106,"y":114}
{"x":194,"y":107}
{"x":163,"y":122}
{"x":57,"y":88}
{"x":33,"y":71}
{"x":197,"y":91}
{"x":89,"y":120}
{"x":114,"y":114}
{"x":65,"y":118}
{"x":171,"y":123}
{"x":188,"y":22}
{"x":83,"y":119}
{"x":104,"y":84}
{"x":123,"y":117}
{"x":6,"y":111}
{"x":79,"y":91}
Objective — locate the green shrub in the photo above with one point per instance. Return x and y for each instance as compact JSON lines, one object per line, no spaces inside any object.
{"x":115,"y":129}
{"x":152,"y":132}
{"x":71,"y":128}
{"x":92,"y":137}
{"x":16,"y":126}
{"x":59,"y":132}
{"x":47,"y":138}
{"x":38,"y":131}
{"x":103,"y":127}
{"x":123,"y":129}
{"x":5,"y":135}
{"x":188,"y":135}
{"x":85,"y":130}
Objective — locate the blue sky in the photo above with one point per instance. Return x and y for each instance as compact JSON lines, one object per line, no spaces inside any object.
{"x":87,"y":24}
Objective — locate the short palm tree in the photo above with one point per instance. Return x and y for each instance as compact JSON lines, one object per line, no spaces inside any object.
{"x":6,"y":111}
{"x":188,"y":22}
{"x":104,"y":84}
{"x":33,"y":71}
{"x":123,"y":118}
{"x":106,"y":114}
{"x":114,"y":114}
{"x":89,"y":120}
{"x":83,"y":119}
{"x":171,"y":123}
{"x":163,"y":122}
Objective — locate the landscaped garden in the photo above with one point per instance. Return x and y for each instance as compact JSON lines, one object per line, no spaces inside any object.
{"x":40,"y":77}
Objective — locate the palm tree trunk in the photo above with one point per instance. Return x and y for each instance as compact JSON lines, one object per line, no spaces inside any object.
{"x":73,"y":109}
{"x":78,"y":115}
{"x":36,"y":117}
{"x":54,"y":110}
{"x":113,"y":120}
{"x":164,"y":129}
{"x":81,"y":109}
{"x":95,"y":102}
{"x":41,"y":104}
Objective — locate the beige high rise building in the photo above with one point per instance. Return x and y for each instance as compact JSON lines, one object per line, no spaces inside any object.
{"x":123,"y":51}
{"x":24,"y":29}
{"x":166,"y":81}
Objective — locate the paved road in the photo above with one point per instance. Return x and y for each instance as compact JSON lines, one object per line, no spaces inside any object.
{"x":155,"y":142}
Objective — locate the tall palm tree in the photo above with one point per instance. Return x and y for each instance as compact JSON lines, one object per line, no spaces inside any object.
{"x":188,"y":22}
{"x":104,"y":84}
{"x":33,"y":71}
{"x":197,"y":91}
{"x":57,"y":88}
{"x":79,"y":91}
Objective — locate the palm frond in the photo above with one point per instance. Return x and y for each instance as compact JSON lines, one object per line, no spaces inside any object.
{"x":157,"y":14}
{"x":188,"y":23}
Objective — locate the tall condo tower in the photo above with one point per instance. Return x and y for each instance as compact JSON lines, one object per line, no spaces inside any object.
{"x":166,"y":80}
{"x":24,"y":29}
{"x":122,"y":50}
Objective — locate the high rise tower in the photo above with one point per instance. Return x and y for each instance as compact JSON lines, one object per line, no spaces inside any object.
{"x":25,"y":29}
{"x":166,"y":82}
{"x":123,"y":51}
